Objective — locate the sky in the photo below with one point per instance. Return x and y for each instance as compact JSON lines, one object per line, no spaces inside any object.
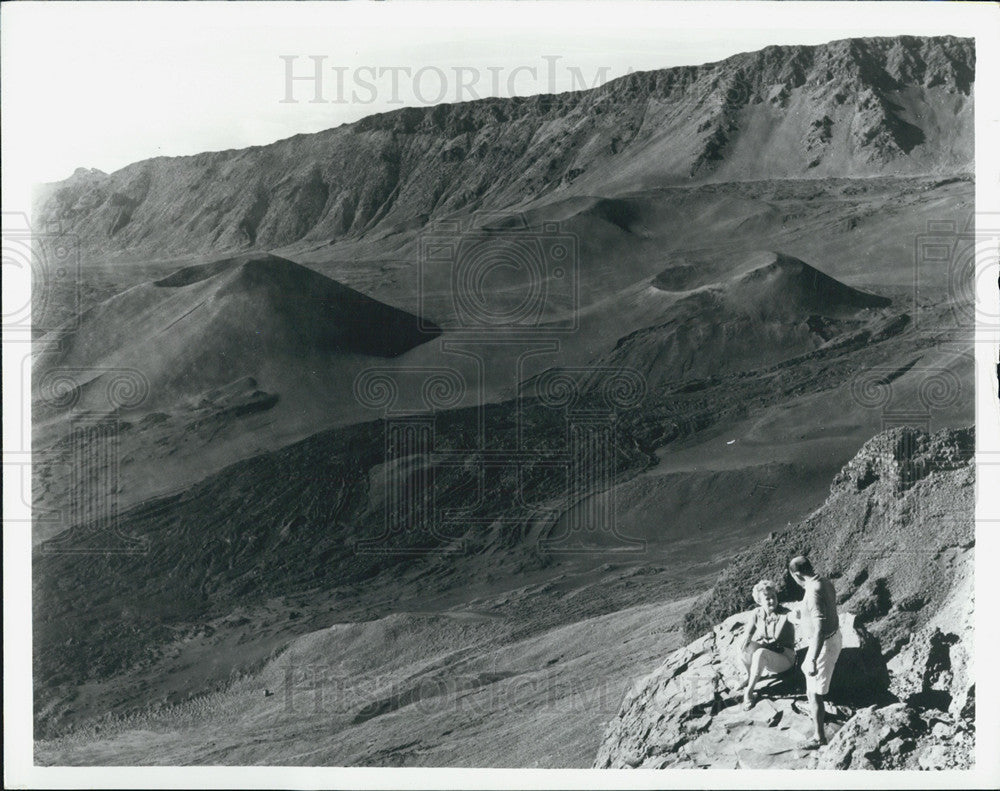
{"x":104,"y":85}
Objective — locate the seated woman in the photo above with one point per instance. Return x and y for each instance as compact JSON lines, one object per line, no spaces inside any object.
{"x":769,"y":641}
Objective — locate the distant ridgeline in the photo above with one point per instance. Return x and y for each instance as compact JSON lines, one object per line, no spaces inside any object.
{"x":858,"y":107}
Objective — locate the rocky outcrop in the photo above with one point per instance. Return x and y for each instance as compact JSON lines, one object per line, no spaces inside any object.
{"x":688,"y":712}
{"x":898,"y":517}
{"x":847,"y":108}
{"x":897,"y":535}
{"x":933,"y":724}
{"x":898,"y":737}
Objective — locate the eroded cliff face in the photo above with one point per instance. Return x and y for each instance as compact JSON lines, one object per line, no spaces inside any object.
{"x":906,"y":700}
{"x":933,"y":723}
{"x":892,"y":533}
{"x":858,"y":107}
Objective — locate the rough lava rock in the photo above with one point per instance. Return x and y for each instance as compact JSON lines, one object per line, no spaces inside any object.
{"x":899,"y":518}
{"x":899,"y":736}
{"x":933,"y":724}
{"x":688,"y":712}
{"x":897,"y":536}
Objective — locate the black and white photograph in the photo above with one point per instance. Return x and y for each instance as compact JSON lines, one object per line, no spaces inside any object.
{"x":392,"y":389}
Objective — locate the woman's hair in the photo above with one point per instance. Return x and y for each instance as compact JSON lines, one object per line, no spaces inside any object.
{"x":761,"y":588}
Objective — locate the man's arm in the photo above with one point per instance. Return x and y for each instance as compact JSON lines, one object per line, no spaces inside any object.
{"x":812,"y":599}
{"x":815,"y":646}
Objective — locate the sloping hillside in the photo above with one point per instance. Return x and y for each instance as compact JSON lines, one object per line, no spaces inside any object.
{"x":284,"y":523}
{"x":206,"y":326}
{"x":896,"y":535}
{"x":898,"y":516}
{"x":849,"y":108}
{"x":768,"y":308}
{"x":499,"y":681}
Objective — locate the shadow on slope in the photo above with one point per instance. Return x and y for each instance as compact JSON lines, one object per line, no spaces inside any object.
{"x":771,"y":308}
{"x":208,"y":325}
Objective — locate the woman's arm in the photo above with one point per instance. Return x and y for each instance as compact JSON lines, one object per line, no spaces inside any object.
{"x":750,"y":632}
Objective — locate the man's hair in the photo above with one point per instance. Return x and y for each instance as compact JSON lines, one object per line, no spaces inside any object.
{"x":801,"y":565}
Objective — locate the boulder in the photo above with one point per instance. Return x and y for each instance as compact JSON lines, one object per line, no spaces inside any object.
{"x":898,"y":736}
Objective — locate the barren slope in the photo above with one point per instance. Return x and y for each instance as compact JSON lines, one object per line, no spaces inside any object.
{"x":281,"y":513}
{"x":848,"y":108}
{"x":773,"y":308}
{"x":205,"y":326}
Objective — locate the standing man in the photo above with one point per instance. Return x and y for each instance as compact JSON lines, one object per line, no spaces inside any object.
{"x":820,"y":601}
